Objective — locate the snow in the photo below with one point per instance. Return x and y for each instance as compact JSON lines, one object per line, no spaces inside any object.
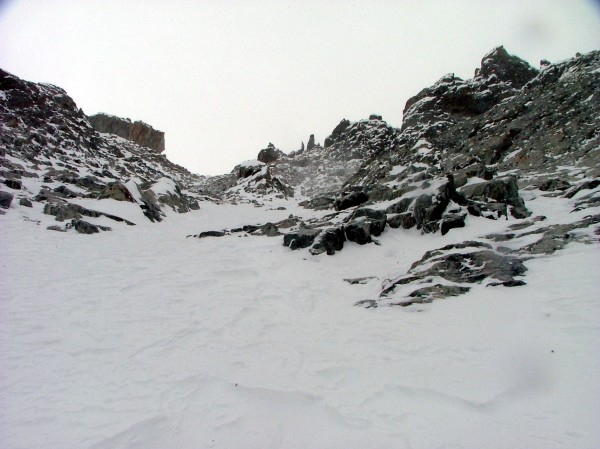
{"x":164,"y":186}
{"x":143,"y":338}
{"x":252,"y":163}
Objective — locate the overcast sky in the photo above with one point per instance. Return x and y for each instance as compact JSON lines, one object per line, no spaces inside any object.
{"x":224,"y":78}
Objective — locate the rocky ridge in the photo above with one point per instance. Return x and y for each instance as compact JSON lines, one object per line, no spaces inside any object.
{"x":467,"y":150}
{"x":138,"y":131}
{"x":52,"y":158}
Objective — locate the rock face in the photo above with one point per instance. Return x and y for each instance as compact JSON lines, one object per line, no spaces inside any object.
{"x":56,"y":156}
{"x":468,"y":152}
{"x":138,"y":131}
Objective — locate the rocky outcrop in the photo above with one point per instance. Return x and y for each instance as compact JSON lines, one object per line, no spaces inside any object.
{"x":138,"y":131}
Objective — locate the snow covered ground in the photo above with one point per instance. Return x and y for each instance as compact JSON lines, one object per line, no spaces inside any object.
{"x":143,"y":338}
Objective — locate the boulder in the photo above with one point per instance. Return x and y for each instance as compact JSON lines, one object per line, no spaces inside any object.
{"x":269,"y":155}
{"x":116,"y":191}
{"x":329,"y":241}
{"x":83,"y":227}
{"x":501,"y":190}
{"x":452,"y":221}
{"x":350,"y":200}
{"x":551,"y":185}
{"x":358,"y":231}
{"x":5,"y":199}
{"x":400,"y":206}
{"x":404,"y":221}
{"x":302,"y":238}
{"x":14,"y":184}
{"x":270,"y":230}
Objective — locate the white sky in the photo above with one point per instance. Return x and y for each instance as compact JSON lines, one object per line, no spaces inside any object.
{"x":223,"y":78}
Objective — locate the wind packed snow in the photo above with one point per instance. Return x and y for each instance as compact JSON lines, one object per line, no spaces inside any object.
{"x":143,"y":338}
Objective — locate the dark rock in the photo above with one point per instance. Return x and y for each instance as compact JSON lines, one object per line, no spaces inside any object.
{"x":376,"y":219}
{"x":311,"y":142}
{"x":404,"y":221}
{"x":551,"y":185}
{"x":399,"y":207}
{"x":351,"y":200}
{"x":337,"y":131}
{"x":116,"y":191}
{"x":5,"y":199}
{"x":13,"y":184}
{"x":375,"y":117}
{"x":302,"y":238}
{"x":586,"y":185}
{"x":506,"y":67}
{"x":321,"y":202}
{"x":269,"y":155}
{"x":270,"y":230}
{"x":358,"y":232}
{"x":56,"y":228}
{"x":502,"y":190}
{"x":511,"y":283}
{"x":65,"y":192}
{"x":452,"y":221}
{"x":359,"y":281}
{"x":83,"y":227}
{"x":68,"y":211}
{"x":25,"y":202}
{"x":428,"y":294}
{"x":329,"y":241}
{"x":211,"y":234}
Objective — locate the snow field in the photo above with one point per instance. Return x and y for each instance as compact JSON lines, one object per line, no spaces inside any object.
{"x":142,"y":338}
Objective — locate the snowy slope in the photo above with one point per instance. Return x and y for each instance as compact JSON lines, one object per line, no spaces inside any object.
{"x":143,"y":338}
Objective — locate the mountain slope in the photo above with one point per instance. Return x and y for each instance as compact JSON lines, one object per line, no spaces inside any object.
{"x":212,"y":315}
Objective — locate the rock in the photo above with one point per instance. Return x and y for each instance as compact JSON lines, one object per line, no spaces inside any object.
{"x":351,"y":200}
{"x":337,"y":131}
{"x":399,"y":207}
{"x":586,"y":185}
{"x":502,"y":190}
{"x":452,"y":221}
{"x":377,"y":219}
{"x":404,"y":221}
{"x":375,"y":117}
{"x":506,"y":68}
{"x":329,"y":241}
{"x":65,"y":192}
{"x":358,"y":231}
{"x":69,"y":211}
{"x":428,"y":294}
{"x":551,"y":185}
{"x":56,"y":228}
{"x":83,"y":227}
{"x":116,"y":191}
{"x":5,"y":199}
{"x":25,"y":202}
{"x":270,"y":230}
{"x":364,"y":223}
{"x":359,"y":281}
{"x":311,"y":142}
{"x":302,"y":238}
{"x":464,"y":263}
{"x":269,"y":155}
{"x":512,"y":283}
{"x":14,"y":184}
{"x":138,"y":132}
{"x":211,"y":234}
{"x":321,"y":202}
